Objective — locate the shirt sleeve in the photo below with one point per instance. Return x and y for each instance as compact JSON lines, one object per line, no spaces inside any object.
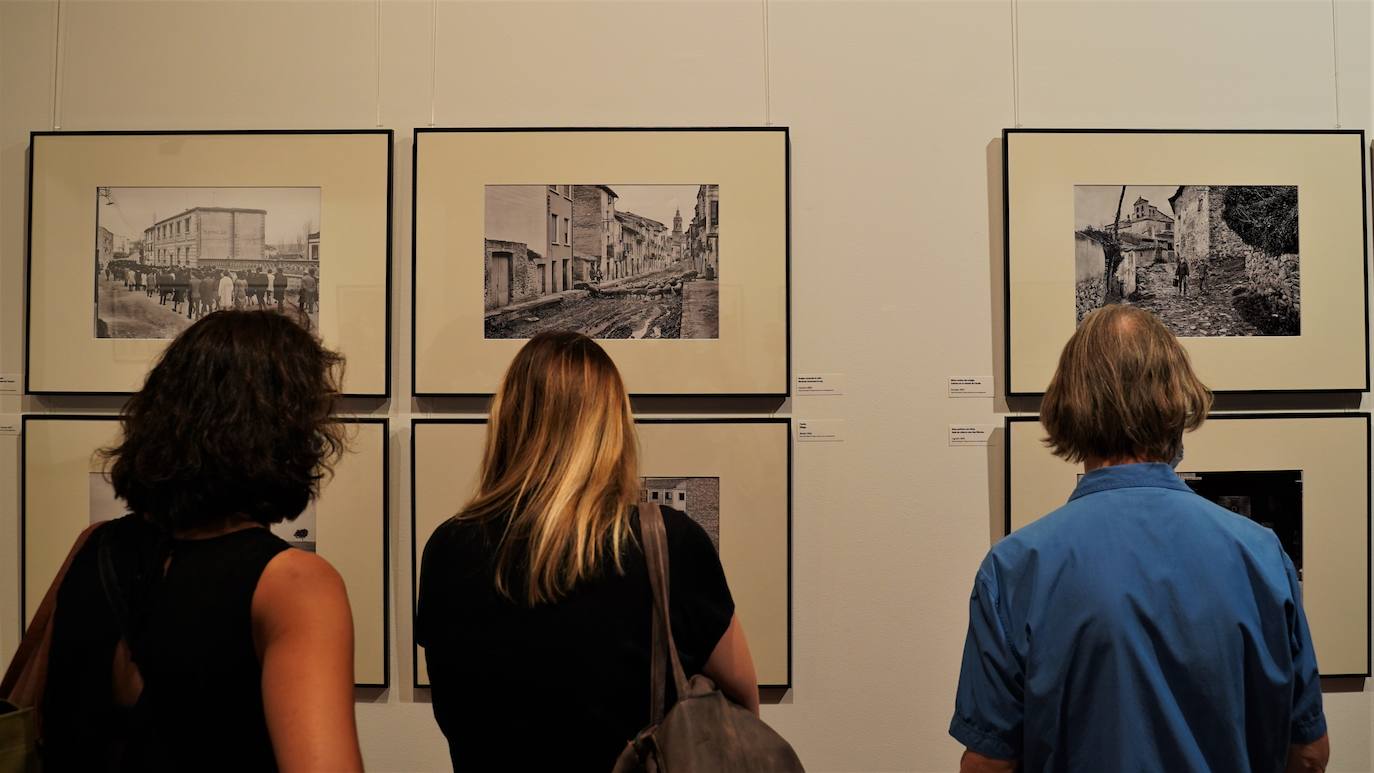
{"x":988,"y":706}
{"x":699,"y":599}
{"x":433,"y":579}
{"x":1309,"y":721}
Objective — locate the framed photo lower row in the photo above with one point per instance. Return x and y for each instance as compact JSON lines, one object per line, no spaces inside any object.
{"x":733,"y":476}
{"x":65,"y":490}
{"x":1303,"y":475}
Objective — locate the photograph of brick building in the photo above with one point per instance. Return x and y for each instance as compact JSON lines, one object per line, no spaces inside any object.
{"x":1209,"y":260}
{"x":698,"y":497}
{"x":268,"y":239}
{"x":601,"y":259}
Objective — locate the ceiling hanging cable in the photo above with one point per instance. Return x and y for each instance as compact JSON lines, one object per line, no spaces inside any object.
{"x":57,"y":70}
{"x":433,"y":54}
{"x":1015,"y":64}
{"x":1335,"y":65}
{"x":378,"y":48}
{"x":767,"y":71}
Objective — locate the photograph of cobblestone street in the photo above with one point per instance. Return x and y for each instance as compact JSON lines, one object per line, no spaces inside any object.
{"x":165,"y":257}
{"x":609,"y":261}
{"x":1209,"y":260}
{"x":698,"y":497}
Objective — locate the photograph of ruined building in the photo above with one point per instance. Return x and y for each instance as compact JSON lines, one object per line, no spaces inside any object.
{"x":609,"y":261}
{"x":1209,"y":260}
{"x":699,"y":498}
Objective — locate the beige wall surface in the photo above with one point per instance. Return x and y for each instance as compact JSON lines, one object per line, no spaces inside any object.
{"x":895,"y":106}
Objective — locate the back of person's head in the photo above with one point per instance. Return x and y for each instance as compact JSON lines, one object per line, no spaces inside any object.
{"x":1124,"y":390}
{"x":560,"y":471}
{"x":233,"y":422}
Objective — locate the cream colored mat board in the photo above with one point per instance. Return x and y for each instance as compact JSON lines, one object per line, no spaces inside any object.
{"x":351,"y":169}
{"x":1331,"y":450}
{"x":1042,"y":168}
{"x":352,"y":515}
{"x":750,"y":166}
{"x":751,"y":459}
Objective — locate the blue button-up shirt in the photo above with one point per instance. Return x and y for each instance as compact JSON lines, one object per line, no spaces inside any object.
{"x":1138,"y":628}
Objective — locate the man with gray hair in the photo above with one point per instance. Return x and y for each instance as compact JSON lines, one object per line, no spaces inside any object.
{"x":1139,"y":627}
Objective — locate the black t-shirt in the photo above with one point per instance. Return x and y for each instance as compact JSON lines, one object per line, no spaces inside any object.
{"x":559,"y":686}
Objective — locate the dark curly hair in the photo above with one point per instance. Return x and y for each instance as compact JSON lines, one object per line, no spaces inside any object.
{"x":233,"y":422}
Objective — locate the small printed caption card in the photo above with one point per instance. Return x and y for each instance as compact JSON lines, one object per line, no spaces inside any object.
{"x":9,"y":383}
{"x":970,"y":386}
{"x":820,"y":431}
{"x":820,"y":384}
{"x":9,"y":424}
{"x":971,"y":434}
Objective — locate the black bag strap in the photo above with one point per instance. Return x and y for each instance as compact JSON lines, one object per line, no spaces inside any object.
{"x":656,"y":557}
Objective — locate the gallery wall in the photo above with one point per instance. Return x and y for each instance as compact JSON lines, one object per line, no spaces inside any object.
{"x":895,"y":109}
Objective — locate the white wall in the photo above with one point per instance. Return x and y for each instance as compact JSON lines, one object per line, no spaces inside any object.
{"x":895,"y":107}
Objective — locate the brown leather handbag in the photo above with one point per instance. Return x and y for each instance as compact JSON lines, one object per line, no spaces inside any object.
{"x":703,"y":732}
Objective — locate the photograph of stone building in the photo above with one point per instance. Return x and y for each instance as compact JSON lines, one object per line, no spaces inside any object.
{"x":698,"y":497}
{"x":105,"y":506}
{"x":1209,"y":260}
{"x":1271,"y":498}
{"x":609,"y":261}
{"x":191,"y":251}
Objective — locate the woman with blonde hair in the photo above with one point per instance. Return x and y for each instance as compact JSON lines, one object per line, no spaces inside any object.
{"x":534,"y":606}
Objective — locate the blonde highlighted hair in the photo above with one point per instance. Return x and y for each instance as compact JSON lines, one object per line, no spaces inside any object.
{"x":1124,"y":390}
{"x":560,"y":468}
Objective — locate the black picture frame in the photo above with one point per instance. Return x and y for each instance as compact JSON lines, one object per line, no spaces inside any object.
{"x":415,"y":547}
{"x":787,"y":258}
{"x":385,"y":424}
{"x":1007,"y":332}
{"x":389,"y":134}
{"x":1369,"y":496}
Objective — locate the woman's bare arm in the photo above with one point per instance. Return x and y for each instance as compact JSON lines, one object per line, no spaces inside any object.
{"x":731,"y":667}
{"x":303,"y":630}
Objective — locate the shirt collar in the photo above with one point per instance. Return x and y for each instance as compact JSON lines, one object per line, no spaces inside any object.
{"x":1152,"y":474}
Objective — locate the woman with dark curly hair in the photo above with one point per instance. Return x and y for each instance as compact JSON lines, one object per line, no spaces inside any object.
{"x":187,"y":636}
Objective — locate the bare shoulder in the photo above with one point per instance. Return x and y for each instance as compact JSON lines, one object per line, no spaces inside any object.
{"x":297,"y":581}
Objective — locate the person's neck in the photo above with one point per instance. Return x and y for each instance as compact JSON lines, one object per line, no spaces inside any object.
{"x":1096,"y":462}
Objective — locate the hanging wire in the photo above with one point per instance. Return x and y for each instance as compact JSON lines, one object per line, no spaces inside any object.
{"x":1335,"y":65}
{"x":1015,"y":64}
{"x":433,"y":54}
{"x":57,"y":71}
{"x":767,"y":71}
{"x":378,"y":49}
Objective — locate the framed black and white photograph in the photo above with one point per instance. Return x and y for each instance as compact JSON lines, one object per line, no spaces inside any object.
{"x":606,"y":261}
{"x":133,"y":236}
{"x":731,"y":476}
{"x":613,"y":233}
{"x":65,"y":488}
{"x":1249,"y":245}
{"x":209,"y":249}
{"x":1304,"y":476}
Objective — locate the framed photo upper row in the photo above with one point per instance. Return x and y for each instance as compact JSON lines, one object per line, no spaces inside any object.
{"x":614,"y":233}
{"x":1250,"y":245}
{"x":731,"y":476}
{"x":160,"y":228}
{"x":65,"y":488}
{"x":1303,"y":475}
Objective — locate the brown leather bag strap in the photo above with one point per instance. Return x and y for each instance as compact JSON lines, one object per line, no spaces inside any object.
{"x":26,"y":677}
{"x":656,"y":557}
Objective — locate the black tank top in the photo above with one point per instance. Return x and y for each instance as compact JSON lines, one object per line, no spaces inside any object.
{"x":192,"y":637}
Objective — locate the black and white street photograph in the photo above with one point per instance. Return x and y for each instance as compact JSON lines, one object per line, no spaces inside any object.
{"x":1209,"y":260}
{"x":165,"y":257}
{"x":608,"y":261}
{"x":698,"y":497}
{"x":1271,"y":498}
{"x":105,"y":506}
